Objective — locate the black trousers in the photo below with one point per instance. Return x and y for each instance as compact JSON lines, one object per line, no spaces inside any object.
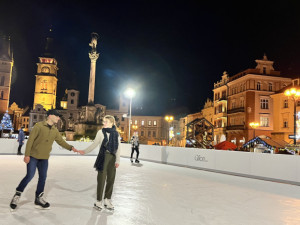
{"x":136,"y":148}
{"x":19,"y":148}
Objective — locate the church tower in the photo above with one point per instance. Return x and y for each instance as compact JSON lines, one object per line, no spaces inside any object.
{"x":6,"y":64}
{"x":46,"y":79}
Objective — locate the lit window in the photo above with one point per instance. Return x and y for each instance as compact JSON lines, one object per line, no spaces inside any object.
{"x":154,"y":123}
{"x":285,"y":103}
{"x":264,"y":104}
{"x":264,"y":121}
{"x":135,"y":122}
{"x":143,"y":123}
{"x":149,"y":122}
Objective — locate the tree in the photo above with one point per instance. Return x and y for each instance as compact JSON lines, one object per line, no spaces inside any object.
{"x":6,"y":123}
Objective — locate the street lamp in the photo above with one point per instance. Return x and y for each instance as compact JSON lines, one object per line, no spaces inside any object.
{"x":295,"y":94}
{"x":169,"y":119}
{"x":129,"y":93}
{"x":254,"y":125}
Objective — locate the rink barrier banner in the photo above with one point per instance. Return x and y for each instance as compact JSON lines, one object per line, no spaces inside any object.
{"x":273,"y":167}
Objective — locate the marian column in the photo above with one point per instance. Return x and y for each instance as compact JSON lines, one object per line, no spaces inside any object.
{"x":93,"y":56}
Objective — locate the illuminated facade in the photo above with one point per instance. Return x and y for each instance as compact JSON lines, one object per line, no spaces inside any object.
{"x":249,"y":100}
{"x":6,"y":65}
{"x":283,"y":109}
{"x":46,"y":83}
{"x":220,"y":109}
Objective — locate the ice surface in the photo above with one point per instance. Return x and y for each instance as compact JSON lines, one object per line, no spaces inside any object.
{"x":146,"y":193}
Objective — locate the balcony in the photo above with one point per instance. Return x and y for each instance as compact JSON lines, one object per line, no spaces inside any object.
{"x":236,"y":110}
{"x":236,"y":127}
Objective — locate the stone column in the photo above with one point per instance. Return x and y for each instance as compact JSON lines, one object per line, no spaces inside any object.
{"x":93,"y":57}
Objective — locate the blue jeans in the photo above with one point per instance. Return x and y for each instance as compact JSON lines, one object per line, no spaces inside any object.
{"x":42,"y":166}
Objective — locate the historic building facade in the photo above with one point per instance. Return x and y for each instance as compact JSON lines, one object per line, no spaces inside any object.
{"x":6,"y":65}
{"x":283,"y":112}
{"x":220,"y":93}
{"x":249,"y":100}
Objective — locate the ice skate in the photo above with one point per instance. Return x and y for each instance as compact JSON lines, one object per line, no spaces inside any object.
{"x":131,"y":160}
{"x":137,"y":161}
{"x":15,"y":200}
{"x":40,"y":202}
{"x":108,"y":205}
{"x":98,"y":205}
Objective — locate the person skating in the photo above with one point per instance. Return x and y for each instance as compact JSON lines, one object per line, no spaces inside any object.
{"x":107,"y":161}
{"x":37,"y":153}
{"x":135,"y":147}
{"x":21,"y":138}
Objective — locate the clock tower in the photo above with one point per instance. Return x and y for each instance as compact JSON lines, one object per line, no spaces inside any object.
{"x":46,"y":79}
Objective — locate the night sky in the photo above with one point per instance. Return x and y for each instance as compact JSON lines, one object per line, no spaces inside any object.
{"x":172,"y":53}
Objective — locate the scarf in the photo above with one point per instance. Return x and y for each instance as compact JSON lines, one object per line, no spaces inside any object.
{"x":110,"y":145}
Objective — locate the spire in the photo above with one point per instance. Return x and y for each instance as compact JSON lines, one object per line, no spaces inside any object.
{"x":265,"y":57}
{"x":5,"y":52}
{"x":48,"y":51}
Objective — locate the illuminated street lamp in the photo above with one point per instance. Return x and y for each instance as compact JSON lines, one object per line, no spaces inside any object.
{"x":169,"y":119}
{"x":294,"y":93}
{"x":254,"y":125}
{"x":129,"y":93}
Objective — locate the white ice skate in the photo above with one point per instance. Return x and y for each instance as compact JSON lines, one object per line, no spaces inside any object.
{"x":98,"y":205}
{"x":15,"y":200}
{"x":108,"y":204}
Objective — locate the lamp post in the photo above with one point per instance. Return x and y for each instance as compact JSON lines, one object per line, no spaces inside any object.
{"x":254,"y":125}
{"x":295,"y":94}
{"x":130,"y":93}
{"x":169,"y":119}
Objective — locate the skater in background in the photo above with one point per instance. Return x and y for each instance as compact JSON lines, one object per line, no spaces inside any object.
{"x":21,"y":138}
{"x":135,"y":147}
{"x":107,"y":161}
{"x":38,"y":148}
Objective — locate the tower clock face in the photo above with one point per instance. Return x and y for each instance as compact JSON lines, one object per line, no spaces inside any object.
{"x":45,"y":69}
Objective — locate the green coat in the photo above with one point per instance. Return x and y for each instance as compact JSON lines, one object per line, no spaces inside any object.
{"x":41,"y":138}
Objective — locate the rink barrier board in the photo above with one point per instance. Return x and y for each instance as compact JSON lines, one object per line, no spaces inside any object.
{"x":271,"y":167}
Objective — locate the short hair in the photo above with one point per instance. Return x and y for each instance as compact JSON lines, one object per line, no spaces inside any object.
{"x":111,"y":119}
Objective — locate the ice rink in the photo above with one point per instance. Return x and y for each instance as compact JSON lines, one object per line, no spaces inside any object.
{"x":146,"y":193}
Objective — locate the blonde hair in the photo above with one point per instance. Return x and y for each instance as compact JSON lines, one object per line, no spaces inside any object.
{"x":111,"y":119}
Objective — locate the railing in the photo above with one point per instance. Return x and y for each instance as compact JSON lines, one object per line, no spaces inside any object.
{"x":236,"y":110}
{"x":236,"y":127}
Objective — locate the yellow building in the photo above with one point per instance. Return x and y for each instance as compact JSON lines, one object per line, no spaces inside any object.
{"x":46,"y":83}
{"x":6,"y":65}
{"x":283,"y":111}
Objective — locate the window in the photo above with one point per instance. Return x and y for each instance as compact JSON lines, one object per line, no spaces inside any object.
{"x":233,"y":105}
{"x":72,"y":94}
{"x":2,"y":95}
{"x":264,"y":121}
{"x":258,"y":86}
{"x":154,"y":133}
{"x":142,"y":133}
{"x":220,"y":108}
{"x":2,"y":81}
{"x":149,"y":133}
{"x":34,"y":117}
{"x":123,"y":119}
{"x":264,"y":104}
{"x":219,"y":123}
{"x":285,"y":124}
{"x":242,"y":102}
{"x":122,"y":129}
{"x":286,"y":103}
{"x":223,"y":94}
{"x":135,"y":122}
{"x":264,"y":70}
{"x":154,"y":123}
{"x":270,"y":87}
{"x":149,"y":122}
{"x":143,"y":123}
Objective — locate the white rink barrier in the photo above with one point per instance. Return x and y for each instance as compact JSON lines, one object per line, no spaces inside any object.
{"x":274,"y":167}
